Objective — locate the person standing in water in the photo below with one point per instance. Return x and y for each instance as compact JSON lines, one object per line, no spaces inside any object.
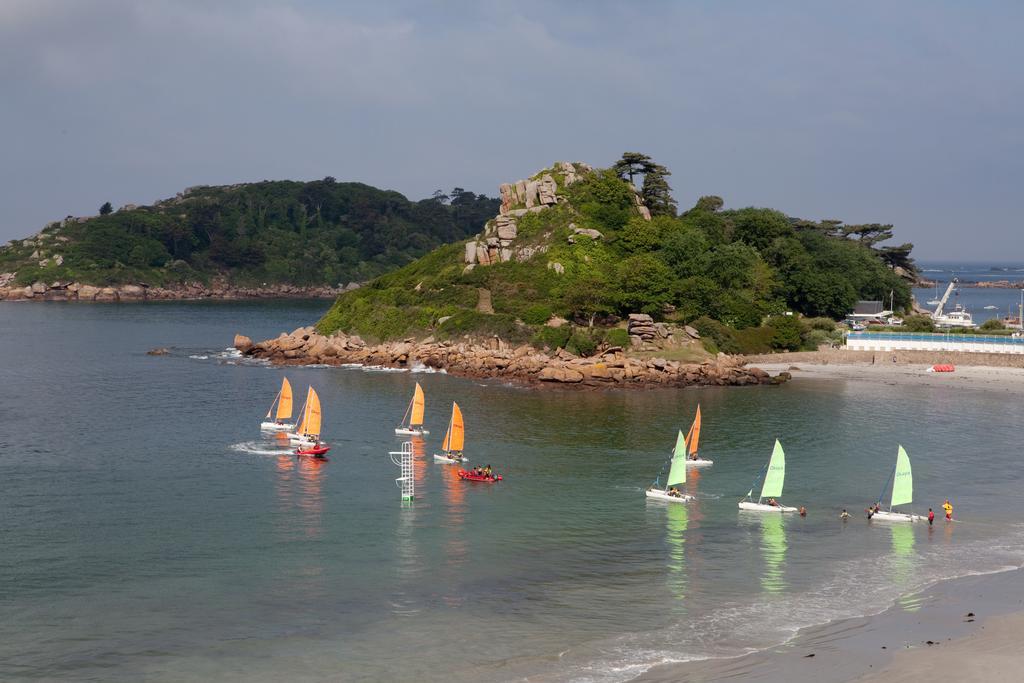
{"x":931,"y":516}
{"x":844,"y":515}
{"x":948,"y":507}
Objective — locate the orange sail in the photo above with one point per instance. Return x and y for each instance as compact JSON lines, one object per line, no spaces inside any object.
{"x":284,"y":403}
{"x":455,"y":437}
{"x":416,"y":419}
{"x":693,"y":438}
{"x":311,"y":423}
{"x":305,"y":413}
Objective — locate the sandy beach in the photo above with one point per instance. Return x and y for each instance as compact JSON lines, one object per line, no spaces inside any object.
{"x":964,"y":377}
{"x":965,"y":629}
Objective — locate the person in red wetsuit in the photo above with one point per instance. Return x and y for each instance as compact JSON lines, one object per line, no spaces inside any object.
{"x":931,"y":516}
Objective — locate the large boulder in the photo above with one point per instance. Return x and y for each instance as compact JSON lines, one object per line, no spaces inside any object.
{"x":88,"y":292}
{"x":242,"y":343}
{"x":560,"y":374}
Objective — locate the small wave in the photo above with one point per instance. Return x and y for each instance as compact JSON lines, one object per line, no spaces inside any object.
{"x":199,"y":357}
{"x":425,"y":369}
{"x":381,"y":368}
{"x":257,"y":448}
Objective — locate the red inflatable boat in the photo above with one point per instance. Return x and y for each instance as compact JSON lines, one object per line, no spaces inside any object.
{"x":473,"y":476}
{"x":317,"y":451}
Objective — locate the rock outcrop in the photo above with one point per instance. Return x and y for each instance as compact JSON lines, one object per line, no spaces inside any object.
{"x":75,"y":291}
{"x":497,"y":242}
{"x":494,"y":358}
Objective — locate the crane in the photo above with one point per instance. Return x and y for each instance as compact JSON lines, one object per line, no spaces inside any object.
{"x":937,"y":313}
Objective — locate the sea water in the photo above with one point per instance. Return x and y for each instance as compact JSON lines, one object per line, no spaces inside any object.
{"x":148,"y":531}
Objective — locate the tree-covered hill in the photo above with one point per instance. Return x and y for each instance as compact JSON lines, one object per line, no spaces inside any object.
{"x":593,"y":257}
{"x":276,"y":232}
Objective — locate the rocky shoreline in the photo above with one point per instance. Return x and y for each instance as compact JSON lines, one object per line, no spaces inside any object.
{"x":495,"y":359}
{"x":76,"y":291}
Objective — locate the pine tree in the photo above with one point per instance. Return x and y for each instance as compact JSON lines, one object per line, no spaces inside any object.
{"x":632,"y":164}
{"x":106,"y":208}
{"x":657,"y":194}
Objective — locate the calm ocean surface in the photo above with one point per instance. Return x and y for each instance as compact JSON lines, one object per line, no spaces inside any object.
{"x":148,"y":532}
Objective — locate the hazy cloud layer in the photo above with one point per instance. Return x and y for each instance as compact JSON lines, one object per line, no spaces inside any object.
{"x":869,"y":111}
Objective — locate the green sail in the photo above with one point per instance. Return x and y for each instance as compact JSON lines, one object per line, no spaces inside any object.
{"x":776,"y":473}
{"x":902,"y":480}
{"x":677,"y":474}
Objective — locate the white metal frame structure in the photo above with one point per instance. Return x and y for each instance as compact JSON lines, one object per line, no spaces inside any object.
{"x":406,"y":482}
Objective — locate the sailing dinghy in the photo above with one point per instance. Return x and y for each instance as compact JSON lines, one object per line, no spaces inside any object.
{"x":414,"y":414}
{"x":454,"y":439}
{"x":774,"y":476}
{"x":902,"y":491}
{"x":676,"y":476}
{"x":309,"y":429}
{"x":693,"y":440}
{"x":283,"y":402}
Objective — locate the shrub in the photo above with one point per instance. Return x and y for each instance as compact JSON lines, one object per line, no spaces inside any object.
{"x":537,"y":314}
{"x":993,"y":324}
{"x":754,"y":340}
{"x":721,"y":337}
{"x":787,"y":332}
{"x":582,"y":344}
{"x":617,"y":337}
{"x":918,"y":323}
{"x":552,"y":337}
{"x":824,"y":324}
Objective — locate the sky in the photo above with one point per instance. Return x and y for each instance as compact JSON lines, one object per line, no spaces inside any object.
{"x":894,"y":112}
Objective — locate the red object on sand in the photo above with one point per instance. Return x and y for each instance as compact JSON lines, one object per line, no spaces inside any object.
{"x":473,"y":476}
{"x":943,"y":368}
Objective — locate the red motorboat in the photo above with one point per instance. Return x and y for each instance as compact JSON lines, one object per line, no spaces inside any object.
{"x":317,"y":451}
{"x":473,"y":476}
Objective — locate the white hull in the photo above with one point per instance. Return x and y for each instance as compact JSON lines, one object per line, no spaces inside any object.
{"x":404,"y":431}
{"x":446,"y":459}
{"x":762,"y":507}
{"x":658,"y":494}
{"x":275,"y":427}
{"x":884,"y":516}
{"x":700,"y":462}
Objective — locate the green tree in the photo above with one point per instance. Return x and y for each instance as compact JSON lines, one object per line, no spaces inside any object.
{"x":918,"y":323}
{"x":993,"y":324}
{"x":656,"y":193}
{"x":644,"y":285}
{"x":631,"y":164}
{"x":106,"y":209}
{"x":787,"y":332}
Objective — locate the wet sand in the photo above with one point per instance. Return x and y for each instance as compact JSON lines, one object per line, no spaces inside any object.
{"x":894,"y":646}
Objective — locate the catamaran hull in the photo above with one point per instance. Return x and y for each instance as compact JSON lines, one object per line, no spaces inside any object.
{"x":658,"y":494}
{"x":450,"y":461}
{"x":275,"y":427}
{"x":761,"y":507}
{"x":885,"y":516}
{"x":700,"y":462}
{"x":402,"y":431}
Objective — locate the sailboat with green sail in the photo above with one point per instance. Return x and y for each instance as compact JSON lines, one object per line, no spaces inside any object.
{"x":902,"y":491}
{"x":774,"y":477}
{"x":676,"y":476}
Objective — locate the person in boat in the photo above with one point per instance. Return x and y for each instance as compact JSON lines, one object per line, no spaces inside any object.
{"x":803,"y":511}
{"x":948,"y":507}
{"x":844,"y":515}
{"x":931,"y":516}
{"x":771,"y":501}
{"x":487,"y":471}
{"x":675,"y":493}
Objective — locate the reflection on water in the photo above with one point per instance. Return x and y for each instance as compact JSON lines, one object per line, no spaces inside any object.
{"x":310,"y":500}
{"x":904,"y":561}
{"x":773,"y":553}
{"x":675,"y":536}
{"x":456,"y":548}
{"x":419,"y":462}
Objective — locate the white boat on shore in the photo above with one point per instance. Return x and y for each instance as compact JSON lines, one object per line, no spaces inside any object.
{"x":902,"y":492}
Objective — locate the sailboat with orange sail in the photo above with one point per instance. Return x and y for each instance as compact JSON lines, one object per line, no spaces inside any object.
{"x":412,"y":421}
{"x":454,"y":439}
{"x":283,"y":404}
{"x":693,"y":458}
{"x":309,"y":428}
